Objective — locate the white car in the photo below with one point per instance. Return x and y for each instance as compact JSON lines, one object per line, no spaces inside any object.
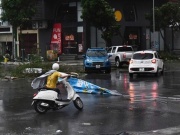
{"x":147,"y":61}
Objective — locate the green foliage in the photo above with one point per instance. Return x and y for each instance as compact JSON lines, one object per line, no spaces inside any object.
{"x":168,"y":15}
{"x":17,"y":71}
{"x":17,"y":12}
{"x":1,"y":71}
{"x":1,"y":58}
{"x":46,"y":66}
{"x":168,"y":56}
{"x":100,"y":15}
{"x":107,"y":34}
{"x":36,"y":58}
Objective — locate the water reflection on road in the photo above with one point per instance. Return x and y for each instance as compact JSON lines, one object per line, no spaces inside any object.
{"x":144,"y":86}
{"x":19,"y":92}
{"x":153,"y":104}
{"x":141,"y":89}
{"x":144,"y":89}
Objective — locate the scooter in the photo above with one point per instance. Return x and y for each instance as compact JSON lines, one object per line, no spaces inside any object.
{"x":46,"y":100}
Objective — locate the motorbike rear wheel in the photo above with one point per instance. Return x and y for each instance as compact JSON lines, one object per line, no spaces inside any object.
{"x":78,"y":103}
{"x":38,"y":108}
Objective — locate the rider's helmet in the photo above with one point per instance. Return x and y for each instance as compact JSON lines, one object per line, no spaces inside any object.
{"x":55,"y":66}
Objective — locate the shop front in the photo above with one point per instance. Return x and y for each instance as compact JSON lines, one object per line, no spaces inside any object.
{"x":6,"y":46}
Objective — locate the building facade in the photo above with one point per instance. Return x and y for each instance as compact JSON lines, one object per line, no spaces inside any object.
{"x":134,"y":27}
{"x":5,"y":37}
{"x":76,"y":35}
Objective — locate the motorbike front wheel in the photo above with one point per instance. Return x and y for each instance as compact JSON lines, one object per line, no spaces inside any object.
{"x":78,"y":103}
{"x":38,"y":108}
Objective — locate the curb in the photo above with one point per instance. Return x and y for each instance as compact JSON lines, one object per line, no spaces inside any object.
{"x":73,"y":63}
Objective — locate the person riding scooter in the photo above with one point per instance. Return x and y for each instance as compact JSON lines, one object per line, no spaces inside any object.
{"x":52,"y":79}
{"x":45,"y":99}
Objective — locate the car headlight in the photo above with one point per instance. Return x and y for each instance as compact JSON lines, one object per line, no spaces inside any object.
{"x":88,"y":60}
{"x":106,"y":60}
{"x":131,"y":62}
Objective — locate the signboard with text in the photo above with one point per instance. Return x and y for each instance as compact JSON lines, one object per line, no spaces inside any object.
{"x":56,"y":43}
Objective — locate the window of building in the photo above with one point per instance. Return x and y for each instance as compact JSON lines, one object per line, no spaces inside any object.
{"x":5,"y":29}
{"x":68,"y":12}
{"x":130,"y":13}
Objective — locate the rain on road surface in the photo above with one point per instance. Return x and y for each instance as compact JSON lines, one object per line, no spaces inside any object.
{"x":154,"y":104}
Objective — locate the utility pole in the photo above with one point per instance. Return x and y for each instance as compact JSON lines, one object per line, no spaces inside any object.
{"x":153,"y":26}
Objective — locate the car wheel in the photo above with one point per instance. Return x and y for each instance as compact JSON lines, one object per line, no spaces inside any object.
{"x":117,"y":63}
{"x":131,"y":75}
{"x":157,"y":72}
{"x":86,"y":70}
{"x":108,"y":71}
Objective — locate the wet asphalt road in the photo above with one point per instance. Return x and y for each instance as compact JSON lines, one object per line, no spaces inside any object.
{"x":153,"y":105}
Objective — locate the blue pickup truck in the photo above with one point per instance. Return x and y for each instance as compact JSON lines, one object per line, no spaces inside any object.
{"x":96,"y":59}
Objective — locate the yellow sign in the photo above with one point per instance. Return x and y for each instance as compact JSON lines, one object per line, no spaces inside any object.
{"x":118,"y":15}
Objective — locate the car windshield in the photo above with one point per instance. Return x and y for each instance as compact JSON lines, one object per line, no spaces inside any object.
{"x":140,"y":56}
{"x":96,"y":53}
{"x":124,"y":49}
{"x":109,"y":50}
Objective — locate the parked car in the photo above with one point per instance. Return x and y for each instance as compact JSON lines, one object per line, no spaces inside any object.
{"x":120,"y":54}
{"x":96,"y":59}
{"x":146,"y":62}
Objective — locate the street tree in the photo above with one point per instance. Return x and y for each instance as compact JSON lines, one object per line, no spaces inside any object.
{"x":100,"y":15}
{"x":17,"y":13}
{"x":166,"y":16}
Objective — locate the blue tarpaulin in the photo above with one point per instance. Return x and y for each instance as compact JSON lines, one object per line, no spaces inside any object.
{"x":79,"y":85}
{"x":82,"y":86}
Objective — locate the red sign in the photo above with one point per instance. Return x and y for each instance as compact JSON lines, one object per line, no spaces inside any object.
{"x":132,"y":36}
{"x":69,"y":37}
{"x":56,"y":43}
